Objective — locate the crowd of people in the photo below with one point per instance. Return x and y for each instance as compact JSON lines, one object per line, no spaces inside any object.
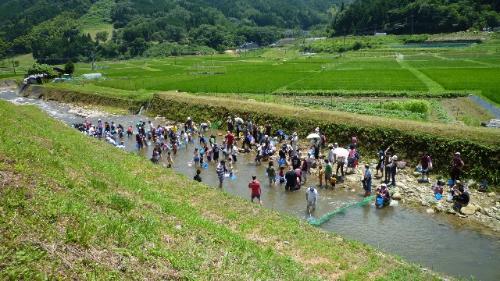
{"x":290,"y":161}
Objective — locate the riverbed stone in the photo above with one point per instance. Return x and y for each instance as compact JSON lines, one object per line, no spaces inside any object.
{"x":469,"y":209}
{"x":450,"y":211}
{"x":397,"y":196}
{"x":429,"y":211}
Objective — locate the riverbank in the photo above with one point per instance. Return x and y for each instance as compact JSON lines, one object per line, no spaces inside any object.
{"x":482,"y":213}
{"x":69,"y":212}
{"x":479,"y":146}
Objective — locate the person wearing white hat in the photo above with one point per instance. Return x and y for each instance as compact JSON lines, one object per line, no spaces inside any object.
{"x":394,"y":169}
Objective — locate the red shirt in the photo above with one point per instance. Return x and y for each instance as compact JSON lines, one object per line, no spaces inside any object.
{"x":255,"y":186}
{"x":229,"y":138}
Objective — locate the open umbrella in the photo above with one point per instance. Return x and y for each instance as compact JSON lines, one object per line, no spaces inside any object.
{"x":341,"y":152}
{"x":238,"y":120}
{"x":313,"y":136}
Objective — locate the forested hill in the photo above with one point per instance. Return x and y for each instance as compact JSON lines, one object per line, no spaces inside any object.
{"x":416,"y":16}
{"x":137,"y":25}
{"x":62,"y":30}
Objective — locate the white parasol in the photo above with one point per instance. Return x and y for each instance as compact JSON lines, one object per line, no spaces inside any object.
{"x":313,"y":136}
{"x":341,"y":152}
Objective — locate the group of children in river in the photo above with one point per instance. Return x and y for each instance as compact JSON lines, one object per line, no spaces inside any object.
{"x":287,"y":164}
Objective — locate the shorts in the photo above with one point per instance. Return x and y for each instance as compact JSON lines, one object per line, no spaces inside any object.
{"x":272,"y":179}
{"x":256,"y":196}
{"x":311,"y":204}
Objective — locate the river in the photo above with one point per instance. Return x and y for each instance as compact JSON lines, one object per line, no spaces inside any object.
{"x":433,"y":241}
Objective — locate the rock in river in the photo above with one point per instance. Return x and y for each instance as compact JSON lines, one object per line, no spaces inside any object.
{"x":469,"y":209}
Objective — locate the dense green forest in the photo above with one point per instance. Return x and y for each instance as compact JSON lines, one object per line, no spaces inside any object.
{"x":54,"y":30}
{"x":415,"y":16}
{"x":58,"y":31}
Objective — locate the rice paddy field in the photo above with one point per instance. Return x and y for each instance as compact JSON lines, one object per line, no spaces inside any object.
{"x":473,"y":68}
{"x":415,"y":73}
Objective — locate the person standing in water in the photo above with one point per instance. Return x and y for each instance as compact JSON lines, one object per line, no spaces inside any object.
{"x":221,"y":170}
{"x":367,"y":180}
{"x":311,"y":198}
{"x":271,"y":173}
{"x":254,"y":185}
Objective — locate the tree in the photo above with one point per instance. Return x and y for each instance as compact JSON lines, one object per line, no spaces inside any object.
{"x":101,"y":36}
{"x":69,"y":68}
{"x":37,"y":68}
{"x":14,"y":63}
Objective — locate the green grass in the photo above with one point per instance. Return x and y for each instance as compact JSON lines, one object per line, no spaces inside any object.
{"x":6,"y":70}
{"x":67,"y":212}
{"x":485,"y":79}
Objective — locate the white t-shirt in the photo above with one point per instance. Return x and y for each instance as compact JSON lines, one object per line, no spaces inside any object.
{"x":312,"y":195}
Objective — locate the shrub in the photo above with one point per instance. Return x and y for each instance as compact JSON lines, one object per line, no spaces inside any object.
{"x":37,"y":68}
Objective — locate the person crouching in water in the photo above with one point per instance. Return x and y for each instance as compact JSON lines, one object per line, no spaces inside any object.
{"x":254,"y":185}
{"x":197,"y":177}
{"x":311,"y":198}
{"x":383,"y":196}
{"x":367,"y":180}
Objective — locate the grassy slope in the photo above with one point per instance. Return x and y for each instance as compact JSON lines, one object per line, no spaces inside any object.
{"x":25,"y":61}
{"x":73,"y":207}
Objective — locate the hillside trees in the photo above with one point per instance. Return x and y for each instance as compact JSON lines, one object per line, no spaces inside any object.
{"x":415,"y":16}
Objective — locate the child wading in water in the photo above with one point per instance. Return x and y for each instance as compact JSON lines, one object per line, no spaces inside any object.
{"x":197,"y":177}
{"x":282,"y":175}
{"x":321,"y":175}
{"x":196,"y":157}
{"x":271,"y":173}
{"x":169,"y":160}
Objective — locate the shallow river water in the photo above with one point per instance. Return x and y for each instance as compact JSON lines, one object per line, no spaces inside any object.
{"x":430,"y":240}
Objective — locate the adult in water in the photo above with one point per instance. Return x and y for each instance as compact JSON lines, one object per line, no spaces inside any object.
{"x":311,"y":198}
{"x":383,"y":196}
{"x":291,"y":179}
{"x":254,"y":185}
{"x":367,"y":180}
{"x":221,"y":170}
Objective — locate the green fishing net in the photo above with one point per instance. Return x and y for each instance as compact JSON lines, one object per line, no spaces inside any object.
{"x":326,"y":217}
